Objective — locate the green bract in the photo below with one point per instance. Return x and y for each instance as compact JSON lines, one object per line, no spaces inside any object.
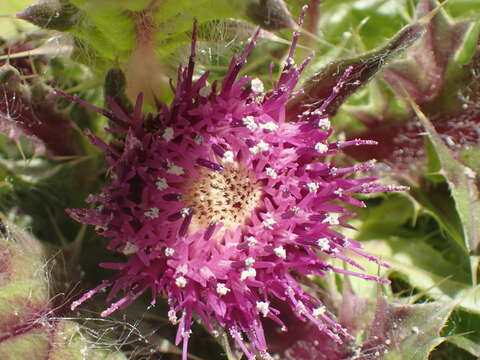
{"x":29,"y":328}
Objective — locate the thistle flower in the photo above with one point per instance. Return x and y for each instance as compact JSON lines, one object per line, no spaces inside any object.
{"x":221,"y":205}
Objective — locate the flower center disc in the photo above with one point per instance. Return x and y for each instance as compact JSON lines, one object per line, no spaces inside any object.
{"x":227,"y":196}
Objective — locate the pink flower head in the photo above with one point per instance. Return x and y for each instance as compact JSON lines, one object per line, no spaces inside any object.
{"x":221,"y":205}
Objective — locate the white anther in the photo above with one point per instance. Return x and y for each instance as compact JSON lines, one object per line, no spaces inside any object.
{"x":321,"y":148}
{"x":172,"y":317}
{"x":257,"y":85}
{"x":168,"y":134}
{"x":161,"y":184}
{"x":280,"y":252}
{"x":152,"y":213}
{"x":251,"y":241}
{"x":198,"y":139}
{"x":263,"y":307}
{"x":181,"y":282}
{"x":271,"y":172}
{"x":130,"y":249}
{"x":269,"y":222}
{"x":222,"y":289}
{"x":324,"y":124}
{"x":319,"y":311}
{"x":323,"y":244}
{"x":332,"y":219}
{"x":263,"y":146}
{"x":249,"y":122}
{"x":260,"y":147}
{"x":313,"y":186}
{"x":185,"y":212}
{"x":228,"y":157}
{"x":175,"y":170}
{"x":205,"y":91}
{"x":269,"y":126}
{"x":250,"y":272}
{"x":339,"y":192}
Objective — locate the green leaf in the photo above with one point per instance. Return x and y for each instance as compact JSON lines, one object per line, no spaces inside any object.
{"x":29,"y":327}
{"x":434,"y":199}
{"x":461,"y":181}
{"x":463,"y":330}
{"x":406,"y":331}
{"x":386,"y":218}
{"x":464,"y":8}
{"x":341,"y":18}
{"x":465,"y":344}
{"x":471,"y":157}
{"x":427,"y":270}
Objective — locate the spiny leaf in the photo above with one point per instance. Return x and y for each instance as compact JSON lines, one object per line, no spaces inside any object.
{"x":463,"y":188}
{"x":405,"y":331}
{"x":423,"y":72}
{"x":435,"y":199}
{"x":362,"y":69}
{"x":426,"y":269}
{"x":438,"y":72}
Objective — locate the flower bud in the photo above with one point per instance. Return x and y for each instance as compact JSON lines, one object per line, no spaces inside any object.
{"x":270,"y":14}
{"x":29,"y":328}
{"x":115,"y":87}
{"x":9,"y":76}
{"x":51,"y":14}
